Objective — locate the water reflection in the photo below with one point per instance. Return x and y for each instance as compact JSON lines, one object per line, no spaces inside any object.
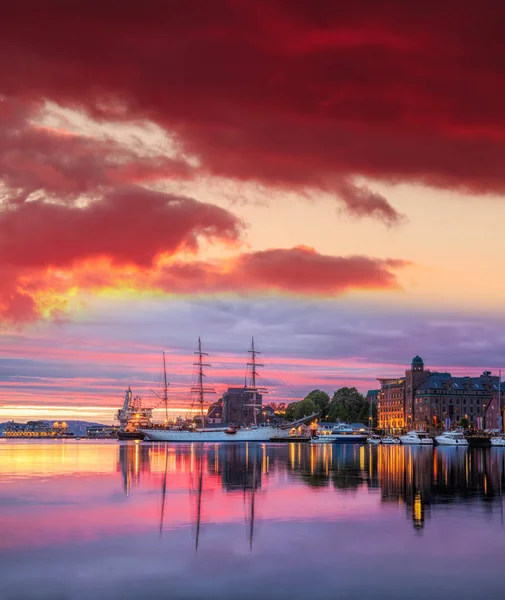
{"x":418,"y":478}
{"x":158,"y":514}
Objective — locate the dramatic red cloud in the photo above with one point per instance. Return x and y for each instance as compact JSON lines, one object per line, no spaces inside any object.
{"x":35,"y":159}
{"x":130,"y":226}
{"x":299,"y":270}
{"x":303,"y":95}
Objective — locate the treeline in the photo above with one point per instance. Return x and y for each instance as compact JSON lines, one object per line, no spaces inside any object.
{"x":346,"y":405}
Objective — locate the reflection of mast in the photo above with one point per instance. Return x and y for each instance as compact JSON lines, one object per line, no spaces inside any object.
{"x":199,"y":503}
{"x":251,"y":529}
{"x":164,"y":491}
{"x":200,"y":389}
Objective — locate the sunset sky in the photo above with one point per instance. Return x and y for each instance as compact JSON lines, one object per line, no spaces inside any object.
{"x":328,"y":177}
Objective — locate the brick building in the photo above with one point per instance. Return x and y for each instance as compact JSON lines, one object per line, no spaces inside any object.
{"x":424,"y":399}
{"x":391,"y":405}
{"x":237,"y":406}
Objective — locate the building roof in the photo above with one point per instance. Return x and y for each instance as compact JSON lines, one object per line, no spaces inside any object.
{"x":215,"y":412}
{"x":417,"y":360}
{"x":372,"y":393}
{"x":446,"y":381}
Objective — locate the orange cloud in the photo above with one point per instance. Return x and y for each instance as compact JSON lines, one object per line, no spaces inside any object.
{"x":299,"y":270}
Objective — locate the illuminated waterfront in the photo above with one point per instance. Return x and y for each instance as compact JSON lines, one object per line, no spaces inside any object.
{"x":83,"y":519}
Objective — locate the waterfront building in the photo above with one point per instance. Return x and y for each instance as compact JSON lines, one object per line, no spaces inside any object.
{"x":102,"y":431}
{"x":391,"y":405}
{"x":237,"y":406}
{"x":424,"y":399}
{"x":215,"y":413}
{"x":37,"y":429}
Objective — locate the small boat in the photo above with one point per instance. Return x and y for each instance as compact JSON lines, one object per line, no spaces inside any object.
{"x":343,"y":433}
{"x":498,"y":440}
{"x":390,"y":440}
{"x":452,"y":438}
{"x":373,"y":439}
{"x":418,"y":438}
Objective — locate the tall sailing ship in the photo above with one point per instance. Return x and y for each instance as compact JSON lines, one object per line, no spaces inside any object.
{"x":252,"y":432}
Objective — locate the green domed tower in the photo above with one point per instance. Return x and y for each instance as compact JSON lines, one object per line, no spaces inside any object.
{"x":417,"y":364}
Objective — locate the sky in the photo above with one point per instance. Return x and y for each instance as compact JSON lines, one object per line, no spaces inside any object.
{"x":326,"y":177}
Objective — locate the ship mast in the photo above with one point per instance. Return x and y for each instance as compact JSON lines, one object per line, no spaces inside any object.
{"x":165,"y":391}
{"x":253,"y":364}
{"x":200,"y":388}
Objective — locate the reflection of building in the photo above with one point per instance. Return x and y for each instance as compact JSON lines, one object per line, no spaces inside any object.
{"x":239,"y":465}
{"x":424,"y":399}
{"x":237,"y":406}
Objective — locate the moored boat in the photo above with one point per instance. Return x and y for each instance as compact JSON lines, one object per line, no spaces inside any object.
{"x":417,"y":438}
{"x":451,"y":438}
{"x":373,"y":439}
{"x":390,"y":440}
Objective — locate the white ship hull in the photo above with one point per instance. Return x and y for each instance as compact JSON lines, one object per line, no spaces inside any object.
{"x":259,"y":434}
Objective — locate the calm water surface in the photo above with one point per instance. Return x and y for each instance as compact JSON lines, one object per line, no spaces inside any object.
{"x":88,"y":520}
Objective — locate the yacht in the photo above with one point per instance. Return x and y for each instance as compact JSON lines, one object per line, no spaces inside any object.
{"x":452,"y":438}
{"x":390,"y":440}
{"x":498,"y":440}
{"x":373,"y":439}
{"x":419,"y":438}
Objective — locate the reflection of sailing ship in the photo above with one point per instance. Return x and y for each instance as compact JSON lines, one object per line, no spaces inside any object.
{"x":247,"y":478}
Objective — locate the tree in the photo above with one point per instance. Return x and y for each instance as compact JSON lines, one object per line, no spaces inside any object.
{"x":350,"y":406}
{"x":322,"y":402}
{"x":464,"y":423}
{"x":304,"y":408}
{"x":289,"y":414}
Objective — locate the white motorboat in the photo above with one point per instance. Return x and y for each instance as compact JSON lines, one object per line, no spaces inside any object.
{"x":373,"y":439}
{"x":341,"y":433}
{"x":344,"y":433}
{"x":390,"y":440}
{"x":452,"y":438}
{"x":419,"y":438}
{"x":498,"y":440}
